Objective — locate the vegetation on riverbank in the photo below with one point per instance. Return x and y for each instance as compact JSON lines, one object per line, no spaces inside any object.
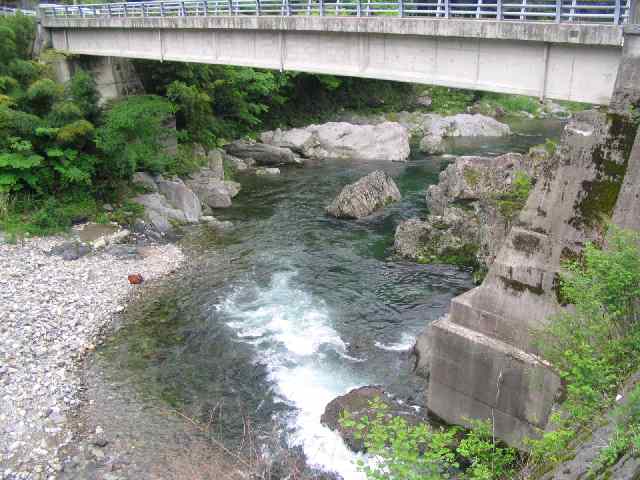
{"x":595,"y":347}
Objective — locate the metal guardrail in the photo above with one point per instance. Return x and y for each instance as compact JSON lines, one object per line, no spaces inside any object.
{"x":13,"y":11}
{"x":559,"y":11}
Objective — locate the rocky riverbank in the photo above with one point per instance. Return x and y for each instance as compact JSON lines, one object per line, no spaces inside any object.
{"x":53,"y":312}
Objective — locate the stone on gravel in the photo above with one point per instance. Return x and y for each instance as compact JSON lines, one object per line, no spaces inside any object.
{"x":365,"y":196}
{"x":52,"y":313}
{"x":71,"y":250}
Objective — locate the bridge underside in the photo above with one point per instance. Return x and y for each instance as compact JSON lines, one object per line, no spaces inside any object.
{"x":565,"y":71}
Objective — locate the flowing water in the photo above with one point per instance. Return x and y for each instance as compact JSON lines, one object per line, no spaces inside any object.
{"x":291,"y":308}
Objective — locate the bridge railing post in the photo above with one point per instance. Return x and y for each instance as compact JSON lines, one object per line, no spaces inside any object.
{"x":126,"y":13}
{"x":258,"y":7}
{"x":558,"y":11}
{"x":447,"y":9}
{"x":359,"y":8}
{"x":230,"y":7}
{"x":401,"y":8}
{"x":499,"y":14}
{"x":321,"y":7}
{"x":616,"y":13}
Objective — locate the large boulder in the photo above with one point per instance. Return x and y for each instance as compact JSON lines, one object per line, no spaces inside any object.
{"x":436,"y":129}
{"x":262,"y":153}
{"x":365,"y":196}
{"x":386,"y":141}
{"x":182,"y":198}
{"x":159,"y":213}
{"x":357,"y":404}
{"x":471,"y":207}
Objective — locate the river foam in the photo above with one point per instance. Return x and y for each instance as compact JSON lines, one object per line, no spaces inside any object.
{"x":293,"y":334}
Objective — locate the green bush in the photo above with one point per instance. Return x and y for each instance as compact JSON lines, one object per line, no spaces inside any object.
{"x":133,"y":134}
{"x":403,"y":451}
{"x":596,"y":345}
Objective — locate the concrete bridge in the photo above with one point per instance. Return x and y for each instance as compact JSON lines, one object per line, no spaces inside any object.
{"x":560,"y":49}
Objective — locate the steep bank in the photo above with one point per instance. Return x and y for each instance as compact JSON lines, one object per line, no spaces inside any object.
{"x":53,"y":313}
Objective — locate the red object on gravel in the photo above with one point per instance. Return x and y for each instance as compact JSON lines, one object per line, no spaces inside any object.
{"x":135,"y":279}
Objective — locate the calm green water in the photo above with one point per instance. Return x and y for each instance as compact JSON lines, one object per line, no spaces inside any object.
{"x":289,"y":309}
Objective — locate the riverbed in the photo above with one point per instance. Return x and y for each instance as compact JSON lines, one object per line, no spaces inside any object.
{"x":272,"y":319}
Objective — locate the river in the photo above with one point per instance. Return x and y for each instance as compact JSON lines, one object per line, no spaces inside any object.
{"x":274,"y":318}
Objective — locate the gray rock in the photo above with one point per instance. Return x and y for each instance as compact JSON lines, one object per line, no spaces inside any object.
{"x":424,"y":101}
{"x":357,"y":403}
{"x":211,"y":192}
{"x":233,"y":188}
{"x":182,"y":198}
{"x":145,"y":180}
{"x":215,"y":223}
{"x":215,"y":164}
{"x":262,"y":153}
{"x":301,"y":140}
{"x":71,"y":250}
{"x":238,"y":164}
{"x":341,"y":140}
{"x":467,"y":217}
{"x":365,"y":196}
{"x":437,"y":128}
{"x":267,"y":171}
{"x":159,"y":212}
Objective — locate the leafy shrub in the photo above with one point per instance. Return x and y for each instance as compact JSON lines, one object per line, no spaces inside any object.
{"x":133,"y":134}
{"x":82,"y":91}
{"x":42,"y":94}
{"x":402,"y":451}
{"x":595,"y":345}
{"x":64,"y":112}
{"x":449,"y":101}
{"x":24,"y":71}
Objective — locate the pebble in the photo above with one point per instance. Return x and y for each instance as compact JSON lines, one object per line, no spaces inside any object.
{"x":52,"y":312}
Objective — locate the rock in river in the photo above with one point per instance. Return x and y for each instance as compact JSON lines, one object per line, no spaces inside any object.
{"x":387,"y":141}
{"x":263,"y":154}
{"x":365,"y":196}
{"x":358,"y":404}
{"x":437,"y":128}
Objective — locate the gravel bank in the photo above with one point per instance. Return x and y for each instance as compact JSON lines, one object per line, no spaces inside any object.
{"x":51,"y":313}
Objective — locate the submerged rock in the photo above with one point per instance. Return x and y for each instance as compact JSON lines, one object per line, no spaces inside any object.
{"x":357,"y":404}
{"x":365,"y":196}
{"x":263,"y":154}
{"x":387,"y":141}
{"x":436,"y":129}
{"x":72,"y":250}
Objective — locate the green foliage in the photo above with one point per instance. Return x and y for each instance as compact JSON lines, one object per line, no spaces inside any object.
{"x":195,"y":112}
{"x":449,"y":101}
{"x":512,"y":103}
{"x":133,"y":134}
{"x":510,"y":203}
{"x":403,"y":451}
{"x":42,"y":94}
{"x":29,"y":215}
{"x":595,"y":345}
{"x":82,"y":92}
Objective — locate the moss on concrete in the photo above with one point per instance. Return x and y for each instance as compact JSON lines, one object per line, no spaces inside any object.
{"x":610,"y":159}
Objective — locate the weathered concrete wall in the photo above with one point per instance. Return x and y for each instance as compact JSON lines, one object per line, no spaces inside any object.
{"x":114,"y":77}
{"x":573,"y":62}
{"x":566,"y":209}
